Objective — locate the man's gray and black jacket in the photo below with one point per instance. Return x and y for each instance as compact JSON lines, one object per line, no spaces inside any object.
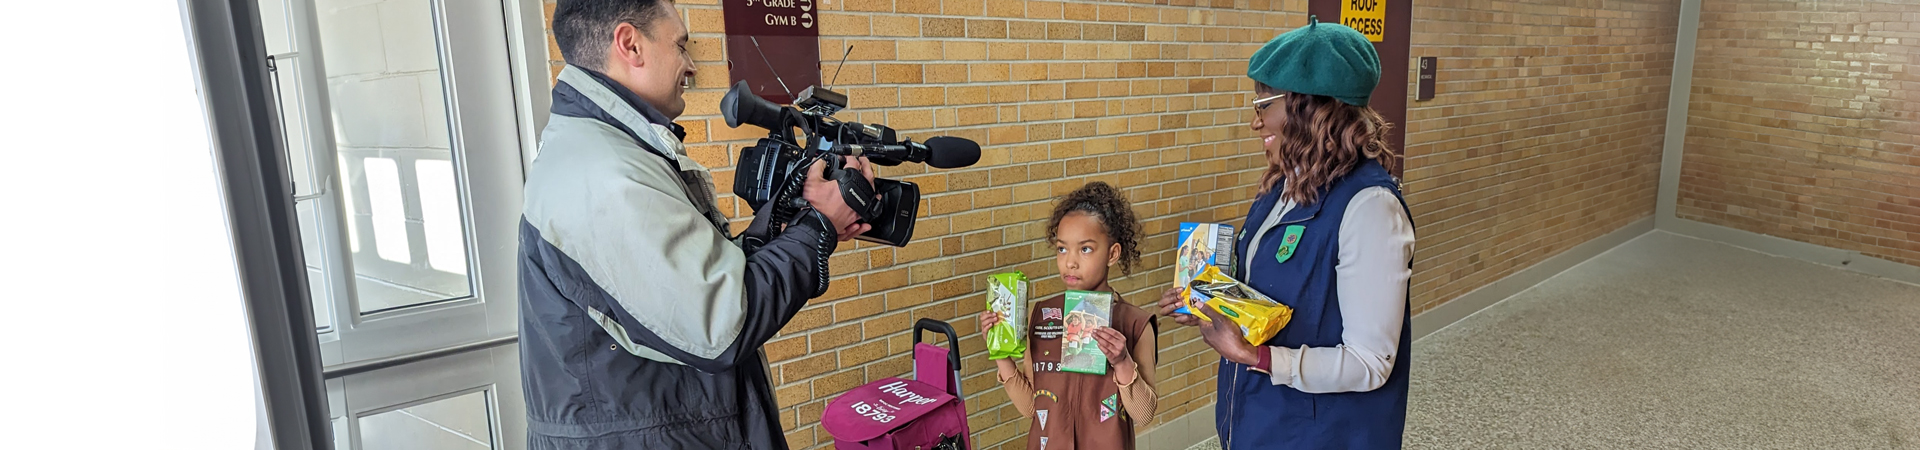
{"x":641,"y":322}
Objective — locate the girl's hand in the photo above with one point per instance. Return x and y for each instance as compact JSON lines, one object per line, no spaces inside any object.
{"x":1113,"y":344}
{"x":1224,"y":336}
{"x":988,"y":320}
{"x":1170,"y":301}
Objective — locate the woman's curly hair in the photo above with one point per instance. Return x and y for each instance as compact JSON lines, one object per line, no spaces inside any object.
{"x":1320,"y":140}
{"x":1116,"y":217}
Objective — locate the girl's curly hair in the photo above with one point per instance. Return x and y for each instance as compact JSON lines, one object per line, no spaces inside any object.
{"x":1116,"y":217}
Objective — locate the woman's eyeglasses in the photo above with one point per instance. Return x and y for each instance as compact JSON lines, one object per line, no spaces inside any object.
{"x":1260,"y":105}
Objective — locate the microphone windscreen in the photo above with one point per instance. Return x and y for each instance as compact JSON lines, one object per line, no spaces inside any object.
{"x":947,"y":152}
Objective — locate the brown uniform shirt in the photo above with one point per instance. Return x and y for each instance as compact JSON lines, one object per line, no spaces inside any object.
{"x":1076,"y":410}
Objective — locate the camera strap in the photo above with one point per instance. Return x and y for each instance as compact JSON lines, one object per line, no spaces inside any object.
{"x":858,"y":192}
{"x":769,"y":216}
{"x":759,"y":232}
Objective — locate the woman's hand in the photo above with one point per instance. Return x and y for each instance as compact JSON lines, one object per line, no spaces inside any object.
{"x":1225,"y":337}
{"x":1113,"y":344}
{"x":988,"y":320}
{"x":1170,"y":302}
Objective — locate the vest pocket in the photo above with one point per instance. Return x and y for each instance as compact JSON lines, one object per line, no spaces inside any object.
{"x":1296,"y":404}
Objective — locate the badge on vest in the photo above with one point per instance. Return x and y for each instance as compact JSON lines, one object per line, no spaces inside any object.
{"x":1288,"y":243}
{"x":1109,"y":407}
{"x":1050,"y":328}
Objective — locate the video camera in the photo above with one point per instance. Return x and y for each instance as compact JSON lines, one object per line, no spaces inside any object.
{"x":772,"y":171}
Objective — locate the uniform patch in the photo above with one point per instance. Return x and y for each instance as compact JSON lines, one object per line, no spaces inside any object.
{"x":1046,"y":393}
{"x":1043,"y":443}
{"x":1289,"y":243}
{"x":1042,"y":415}
{"x":1049,"y":330}
{"x":1109,"y":407}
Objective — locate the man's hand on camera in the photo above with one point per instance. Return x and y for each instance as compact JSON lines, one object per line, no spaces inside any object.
{"x":865,"y":167}
{"x":824,"y":195}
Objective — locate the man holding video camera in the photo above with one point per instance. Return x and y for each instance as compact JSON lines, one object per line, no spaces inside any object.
{"x":641,"y":322}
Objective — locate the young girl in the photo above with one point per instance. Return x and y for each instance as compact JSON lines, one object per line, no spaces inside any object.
{"x":1092,"y":229}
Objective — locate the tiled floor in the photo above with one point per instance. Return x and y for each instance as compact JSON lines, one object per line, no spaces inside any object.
{"x":1209,"y":444}
{"x":1675,"y":342}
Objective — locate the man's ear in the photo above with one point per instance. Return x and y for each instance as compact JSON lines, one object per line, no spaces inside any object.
{"x":627,"y":44}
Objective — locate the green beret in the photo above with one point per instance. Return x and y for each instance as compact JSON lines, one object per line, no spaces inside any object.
{"x":1320,"y":59}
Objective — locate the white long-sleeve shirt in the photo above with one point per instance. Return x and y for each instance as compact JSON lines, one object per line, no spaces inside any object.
{"x":1376,"y":244}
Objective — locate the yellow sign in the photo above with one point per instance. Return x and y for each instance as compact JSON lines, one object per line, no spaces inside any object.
{"x":1367,"y":16}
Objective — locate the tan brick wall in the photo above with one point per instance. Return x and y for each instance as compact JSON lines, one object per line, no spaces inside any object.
{"x":1803,"y":122}
{"x":1545,"y":133}
{"x":1149,"y":97}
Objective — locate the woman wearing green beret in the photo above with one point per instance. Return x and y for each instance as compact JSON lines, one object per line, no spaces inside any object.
{"x":1328,"y":236}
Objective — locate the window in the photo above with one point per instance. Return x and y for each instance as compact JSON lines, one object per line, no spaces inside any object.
{"x":404,"y":123}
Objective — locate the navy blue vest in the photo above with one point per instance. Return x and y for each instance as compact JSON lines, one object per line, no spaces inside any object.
{"x":1252,"y":412}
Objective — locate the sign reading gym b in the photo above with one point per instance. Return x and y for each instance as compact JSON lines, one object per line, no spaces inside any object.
{"x":774,"y":45}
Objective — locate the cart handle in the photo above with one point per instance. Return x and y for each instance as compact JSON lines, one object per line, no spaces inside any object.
{"x":953,"y":339}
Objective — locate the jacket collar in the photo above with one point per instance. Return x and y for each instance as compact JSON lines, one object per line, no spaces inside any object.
{"x":1368,"y":170}
{"x":1300,"y":213}
{"x":609,"y":91}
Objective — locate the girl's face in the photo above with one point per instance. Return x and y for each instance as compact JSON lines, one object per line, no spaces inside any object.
{"x":1083,"y":251}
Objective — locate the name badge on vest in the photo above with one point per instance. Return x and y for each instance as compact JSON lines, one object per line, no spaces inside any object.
{"x":1290,"y":242}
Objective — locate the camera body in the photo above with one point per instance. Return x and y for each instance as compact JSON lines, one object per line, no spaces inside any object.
{"x":772,"y":172}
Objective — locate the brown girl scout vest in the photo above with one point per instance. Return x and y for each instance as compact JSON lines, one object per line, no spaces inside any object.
{"x":1076,"y":410}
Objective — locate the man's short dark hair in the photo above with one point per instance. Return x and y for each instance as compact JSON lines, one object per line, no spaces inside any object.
{"x":584,"y":28}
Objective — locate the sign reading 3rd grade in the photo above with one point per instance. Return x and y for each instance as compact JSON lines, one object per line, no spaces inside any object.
{"x":773,"y":45}
{"x":1369,"y":17}
{"x":785,"y":13}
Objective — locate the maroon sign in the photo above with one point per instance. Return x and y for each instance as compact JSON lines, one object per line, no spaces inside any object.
{"x":774,"y":45}
{"x":1390,"y":99}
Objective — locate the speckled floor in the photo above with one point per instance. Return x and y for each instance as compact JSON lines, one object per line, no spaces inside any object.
{"x":1675,"y":342}
{"x":1209,"y":444}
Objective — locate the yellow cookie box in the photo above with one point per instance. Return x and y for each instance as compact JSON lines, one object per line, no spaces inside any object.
{"x":1259,"y":317}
